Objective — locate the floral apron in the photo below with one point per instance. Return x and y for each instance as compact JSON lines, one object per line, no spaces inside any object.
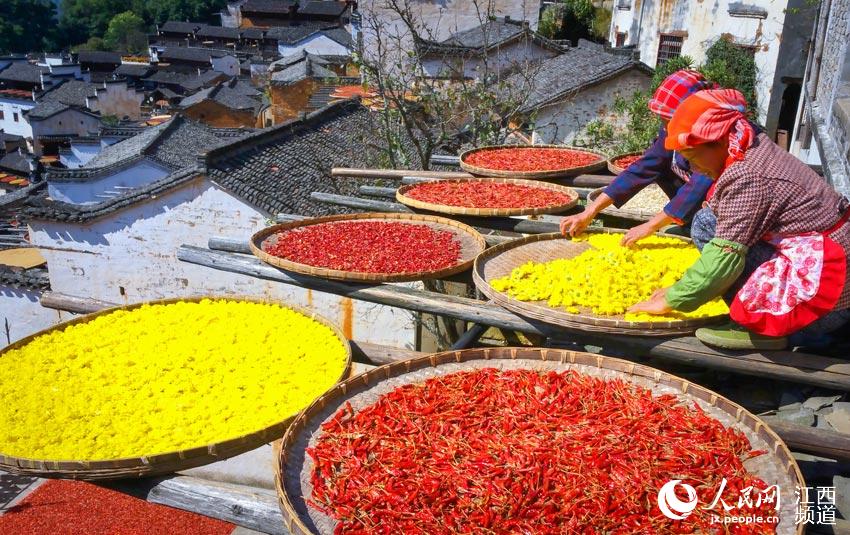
{"x":801,"y":283}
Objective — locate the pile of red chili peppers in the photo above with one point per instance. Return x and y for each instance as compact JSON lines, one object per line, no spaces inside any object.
{"x":530,"y":159}
{"x":477,"y":194}
{"x":368,"y":246}
{"x":520,"y":451}
{"x":626,"y":161}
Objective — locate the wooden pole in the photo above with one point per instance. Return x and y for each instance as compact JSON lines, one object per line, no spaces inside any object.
{"x":796,"y":367}
{"x":348,"y":172}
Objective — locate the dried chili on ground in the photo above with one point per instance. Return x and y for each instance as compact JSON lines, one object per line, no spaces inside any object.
{"x":492,"y":451}
{"x":477,"y":194}
{"x":368,"y":246}
{"x":530,"y":159}
{"x":626,"y":161}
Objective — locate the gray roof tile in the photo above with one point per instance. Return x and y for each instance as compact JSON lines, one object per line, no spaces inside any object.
{"x":272,"y":7}
{"x":330,"y":8}
{"x":22,"y":72}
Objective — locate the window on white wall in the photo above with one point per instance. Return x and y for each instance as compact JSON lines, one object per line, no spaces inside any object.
{"x":669,"y":47}
{"x":2,"y":115}
{"x":15,"y":117}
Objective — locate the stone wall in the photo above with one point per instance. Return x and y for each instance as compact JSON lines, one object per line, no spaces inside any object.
{"x":290,"y":100}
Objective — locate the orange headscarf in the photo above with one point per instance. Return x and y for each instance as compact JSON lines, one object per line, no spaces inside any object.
{"x":708,"y":116}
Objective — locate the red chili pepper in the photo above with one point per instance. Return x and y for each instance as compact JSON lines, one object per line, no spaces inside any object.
{"x":626,"y":161}
{"x":526,"y":452}
{"x":476,"y":194}
{"x":368,"y":246}
{"x":531,"y":159}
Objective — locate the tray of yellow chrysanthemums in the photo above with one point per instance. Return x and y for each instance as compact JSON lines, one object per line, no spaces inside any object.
{"x":589,"y":282}
{"x":158,"y":387}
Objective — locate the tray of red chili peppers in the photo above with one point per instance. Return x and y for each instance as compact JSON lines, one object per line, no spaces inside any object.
{"x":488,"y":197}
{"x":370,"y":247}
{"x":531,"y":161}
{"x":618,"y":164}
{"x":536,"y":441}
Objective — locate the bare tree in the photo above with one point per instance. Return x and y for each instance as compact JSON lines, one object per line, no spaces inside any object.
{"x":423,"y":112}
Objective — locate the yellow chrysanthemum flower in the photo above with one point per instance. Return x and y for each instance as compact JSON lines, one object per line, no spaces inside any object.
{"x":608,"y":278}
{"x":162,"y":378}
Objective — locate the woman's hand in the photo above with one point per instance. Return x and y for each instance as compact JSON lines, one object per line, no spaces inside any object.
{"x":575,"y":224}
{"x":657,"y":304}
{"x":637,"y":233}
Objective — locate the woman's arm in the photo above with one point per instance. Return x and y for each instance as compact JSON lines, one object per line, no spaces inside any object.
{"x":575,"y":224}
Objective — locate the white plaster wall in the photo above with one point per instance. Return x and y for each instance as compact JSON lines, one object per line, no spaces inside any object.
{"x":228,"y":65}
{"x":22,"y":315}
{"x":315,"y":44}
{"x":515,"y":54}
{"x":119,"y":100}
{"x":138,"y":175}
{"x":84,"y":152}
{"x":10,"y":106}
{"x":135,"y":250}
{"x":562,"y":121}
{"x":704,"y":23}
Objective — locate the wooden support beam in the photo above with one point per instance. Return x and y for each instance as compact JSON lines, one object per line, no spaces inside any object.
{"x":70,"y":303}
{"x":815,"y":440}
{"x":508,"y":224}
{"x":471,"y":336}
{"x":249,"y":507}
{"x":590,"y":182}
{"x":375,"y":191}
{"x":796,"y":367}
{"x":445,"y":159}
{"x":394,"y":174}
{"x":379,"y":354}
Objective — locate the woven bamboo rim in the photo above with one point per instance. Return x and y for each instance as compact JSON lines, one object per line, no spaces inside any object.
{"x":474,"y":243}
{"x":402,"y":197}
{"x":553,"y":173}
{"x":625,"y":213}
{"x":582,"y":321}
{"x":173,"y":461}
{"x":616,"y":169}
{"x":292,"y":500}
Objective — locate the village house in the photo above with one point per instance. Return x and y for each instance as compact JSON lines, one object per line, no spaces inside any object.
{"x":181,"y":83}
{"x":776,"y":33}
{"x":230,"y":104}
{"x":334,"y":41}
{"x":294,"y":81}
{"x":14,"y":104}
{"x":493,"y":48}
{"x":98,"y":66}
{"x":192,"y":59}
{"x":562,"y":95}
{"x":111,"y":230}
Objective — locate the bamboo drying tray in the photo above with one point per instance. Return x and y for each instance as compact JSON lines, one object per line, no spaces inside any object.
{"x":625,"y":213}
{"x":499,"y":261}
{"x":293,"y":467}
{"x":553,"y":173}
{"x":616,"y":169}
{"x":161,"y":463}
{"x":402,"y":197}
{"x":472,"y":244}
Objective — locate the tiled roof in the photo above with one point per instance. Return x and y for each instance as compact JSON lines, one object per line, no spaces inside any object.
{"x":16,"y":162}
{"x":176,"y":26}
{"x":25,"y":279}
{"x":233,"y":94}
{"x":740,"y":9}
{"x":190,"y":82}
{"x":72,"y":93}
{"x":277,"y":168}
{"x":292,"y":34}
{"x":299,"y":66}
{"x":218,"y":32}
{"x":272,"y":7}
{"x":190,"y":54}
{"x":46,"y":109}
{"x":253,"y":33}
{"x":126,"y":149}
{"x":22,"y":72}
{"x":568,"y":73}
{"x":97,"y":56}
{"x":133,"y":70}
{"x":340,"y":35}
{"x":493,"y":33}
{"x":323,"y":7}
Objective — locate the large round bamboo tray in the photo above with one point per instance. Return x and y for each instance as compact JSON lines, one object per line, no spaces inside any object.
{"x":499,"y":261}
{"x":161,"y":463}
{"x":294,"y":467}
{"x":402,"y":197}
{"x":616,"y":169}
{"x":553,"y":173}
{"x":624,"y":213}
{"x":472,"y":244}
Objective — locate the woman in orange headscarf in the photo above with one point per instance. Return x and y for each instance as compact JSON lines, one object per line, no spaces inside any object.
{"x":761,"y":194}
